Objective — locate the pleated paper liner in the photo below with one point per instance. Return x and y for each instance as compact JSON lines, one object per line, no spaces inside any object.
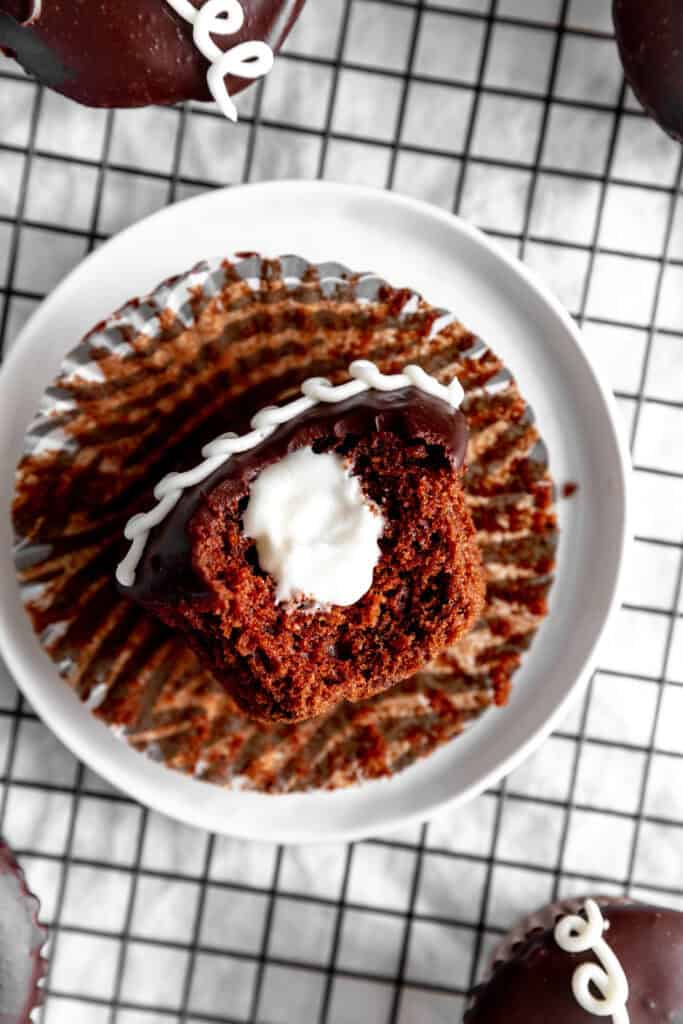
{"x":22,"y":941}
{"x":143,"y":392}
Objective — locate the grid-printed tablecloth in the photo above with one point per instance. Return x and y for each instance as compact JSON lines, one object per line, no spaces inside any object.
{"x":515,"y":114}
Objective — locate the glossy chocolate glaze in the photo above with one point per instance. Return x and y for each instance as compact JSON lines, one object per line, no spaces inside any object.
{"x":127,"y":53}
{"x":650,"y":38}
{"x":534,"y":986}
{"x":166,"y":567}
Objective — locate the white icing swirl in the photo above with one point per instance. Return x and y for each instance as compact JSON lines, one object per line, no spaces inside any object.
{"x":574,"y":934}
{"x":365,"y":376}
{"x":251,"y":59}
{"x":34,"y":15}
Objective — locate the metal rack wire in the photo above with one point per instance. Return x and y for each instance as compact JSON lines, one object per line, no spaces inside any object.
{"x":159,"y":923}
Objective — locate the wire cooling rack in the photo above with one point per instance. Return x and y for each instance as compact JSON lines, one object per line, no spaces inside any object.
{"x":515,"y":114}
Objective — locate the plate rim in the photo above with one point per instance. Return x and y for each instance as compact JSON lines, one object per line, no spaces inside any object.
{"x":132,"y":782}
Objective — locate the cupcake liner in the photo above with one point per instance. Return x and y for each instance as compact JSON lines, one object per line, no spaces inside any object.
{"x":22,"y":966}
{"x":140,"y":396}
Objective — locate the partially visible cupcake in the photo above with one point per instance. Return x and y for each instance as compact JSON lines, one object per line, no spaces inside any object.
{"x":22,"y":938}
{"x":579,"y":960}
{"x":141,"y":52}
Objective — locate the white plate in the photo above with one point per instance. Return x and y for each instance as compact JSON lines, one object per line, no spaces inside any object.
{"x":455,"y":266}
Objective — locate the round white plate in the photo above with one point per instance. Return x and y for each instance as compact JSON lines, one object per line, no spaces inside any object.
{"x":454,"y":266}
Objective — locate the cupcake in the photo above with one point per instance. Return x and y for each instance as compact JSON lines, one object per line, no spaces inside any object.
{"x":649,"y":39}
{"x":582,"y":959}
{"x":22,"y":966}
{"x":146,"y":51}
{"x":163,"y":380}
{"x":324,"y":556}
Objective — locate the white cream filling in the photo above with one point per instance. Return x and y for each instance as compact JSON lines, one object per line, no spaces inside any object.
{"x":316,"y":534}
{"x":573,"y":934}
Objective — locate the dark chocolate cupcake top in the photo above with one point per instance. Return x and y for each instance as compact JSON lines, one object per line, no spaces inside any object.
{"x":622,"y":960}
{"x":113,"y":54}
{"x":154,"y":383}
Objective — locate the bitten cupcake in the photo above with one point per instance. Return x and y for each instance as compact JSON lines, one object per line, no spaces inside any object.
{"x":323,"y":556}
{"x":22,"y":939}
{"x":580,"y":960}
{"x":420,"y":490}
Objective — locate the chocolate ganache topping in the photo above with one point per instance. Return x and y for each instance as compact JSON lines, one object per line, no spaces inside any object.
{"x":650,"y":38}
{"x":127,"y":53}
{"x":166,"y":565}
{"x":534,"y":985}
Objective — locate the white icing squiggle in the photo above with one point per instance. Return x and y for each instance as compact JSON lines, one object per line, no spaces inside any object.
{"x":365,"y":376}
{"x":573,"y":934}
{"x":251,"y":59}
{"x":35,"y":14}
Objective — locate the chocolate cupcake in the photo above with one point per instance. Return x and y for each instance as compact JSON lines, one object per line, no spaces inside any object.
{"x":162,"y":379}
{"x":649,"y":37}
{"x":325,"y":555}
{"x":583,"y":959}
{"x":22,"y":967}
{"x":141,"y":52}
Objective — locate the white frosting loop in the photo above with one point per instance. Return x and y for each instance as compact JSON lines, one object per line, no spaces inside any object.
{"x":365,"y":377}
{"x":574,"y":934}
{"x":250,"y":59}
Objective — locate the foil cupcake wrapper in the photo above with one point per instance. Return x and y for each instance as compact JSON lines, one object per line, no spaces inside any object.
{"x":22,"y":964}
{"x":168,"y":372}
